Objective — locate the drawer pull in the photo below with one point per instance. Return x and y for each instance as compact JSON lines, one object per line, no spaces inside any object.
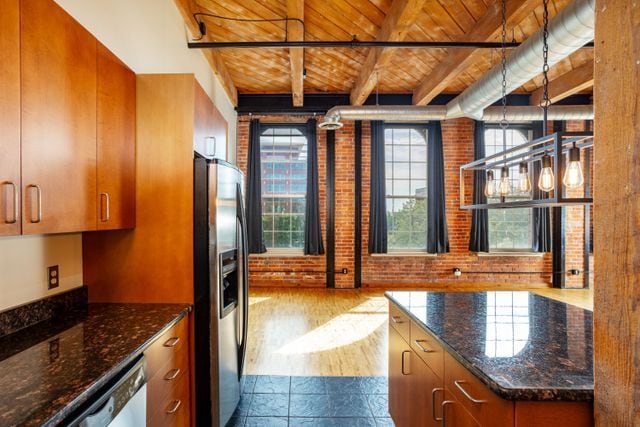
{"x":172,"y":374}
{"x":459,"y":383}
{"x":443,"y":406}
{"x":433,"y":404}
{"x":172,"y":342}
{"x":397,"y":319}
{"x":174,"y":407}
{"x":423,"y":348}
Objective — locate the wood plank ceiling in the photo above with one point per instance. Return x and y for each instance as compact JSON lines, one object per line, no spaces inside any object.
{"x":340,"y":70}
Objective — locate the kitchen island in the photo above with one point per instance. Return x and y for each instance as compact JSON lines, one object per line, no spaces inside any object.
{"x":489,"y":358}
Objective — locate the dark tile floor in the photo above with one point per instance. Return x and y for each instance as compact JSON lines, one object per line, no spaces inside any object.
{"x":312,"y":401}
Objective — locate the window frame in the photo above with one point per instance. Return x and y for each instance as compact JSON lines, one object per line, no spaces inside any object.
{"x":426,"y":128}
{"x":526,"y":129}
{"x":302,"y":128}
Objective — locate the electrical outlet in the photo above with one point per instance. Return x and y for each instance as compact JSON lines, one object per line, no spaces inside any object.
{"x":53,"y":276}
{"x":54,"y":350}
{"x":345,"y":271}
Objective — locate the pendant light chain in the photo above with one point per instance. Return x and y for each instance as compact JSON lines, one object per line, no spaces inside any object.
{"x":545,"y":102}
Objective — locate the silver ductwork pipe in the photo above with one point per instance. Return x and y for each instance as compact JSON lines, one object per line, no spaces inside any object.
{"x":568,"y":31}
{"x":414,"y":113}
{"x":530,"y":113}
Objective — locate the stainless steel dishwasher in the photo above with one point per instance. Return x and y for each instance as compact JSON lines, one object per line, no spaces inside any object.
{"x":123,"y":404}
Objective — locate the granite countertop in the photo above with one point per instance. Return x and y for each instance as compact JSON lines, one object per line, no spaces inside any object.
{"x":521,"y":345}
{"x":51,"y":368}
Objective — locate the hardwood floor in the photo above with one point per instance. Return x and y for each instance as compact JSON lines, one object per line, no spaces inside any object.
{"x":329,"y":332}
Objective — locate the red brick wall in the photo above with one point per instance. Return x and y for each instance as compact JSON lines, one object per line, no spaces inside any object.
{"x":397,"y":271}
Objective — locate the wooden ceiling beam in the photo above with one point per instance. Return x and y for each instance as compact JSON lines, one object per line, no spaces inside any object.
{"x":187,"y":8}
{"x":295,"y":32}
{"x":457,"y":60}
{"x":570,"y":83}
{"x":395,"y":27}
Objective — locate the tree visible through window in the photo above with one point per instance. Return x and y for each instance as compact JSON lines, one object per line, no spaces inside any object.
{"x":283,"y":152}
{"x":509,"y":229}
{"x":406,"y":186}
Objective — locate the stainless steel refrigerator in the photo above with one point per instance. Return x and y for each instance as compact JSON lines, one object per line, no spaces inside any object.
{"x":221,"y":289}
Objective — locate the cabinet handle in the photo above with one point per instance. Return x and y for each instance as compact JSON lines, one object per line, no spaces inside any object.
{"x":39,"y":203}
{"x":397,"y":319}
{"x":174,"y":407}
{"x":15,"y":202}
{"x":172,"y":374}
{"x":424,"y":349}
{"x":405,"y":372}
{"x":107,"y":202}
{"x":433,"y":404}
{"x":171,"y":342}
{"x":444,"y":414}
{"x":459,"y":383}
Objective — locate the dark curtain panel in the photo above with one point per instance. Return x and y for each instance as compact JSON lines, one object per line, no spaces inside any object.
{"x":254,"y":192}
{"x":312,"y":229}
{"x":541,"y":217}
{"x":437,"y":234}
{"x":479,"y":240}
{"x":378,"y":203}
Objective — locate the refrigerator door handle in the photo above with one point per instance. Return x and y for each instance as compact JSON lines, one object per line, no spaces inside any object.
{"x":242,"y":242}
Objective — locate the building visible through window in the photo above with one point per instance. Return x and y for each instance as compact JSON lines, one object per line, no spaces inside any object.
{"x":406,"y":186}
{"x":283,"y":152}
{"x":509,"y":229}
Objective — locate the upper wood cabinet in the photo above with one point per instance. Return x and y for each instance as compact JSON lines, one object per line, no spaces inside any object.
{"x":10,"y":118}
{"x":210,"y":131}
{"x":59,"y":82}
{"x":116,"y":198}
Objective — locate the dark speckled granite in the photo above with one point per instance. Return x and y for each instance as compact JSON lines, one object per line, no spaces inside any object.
{"x":61,"y":363}
{"x":521,"y":345}
{"x":53,"y":307}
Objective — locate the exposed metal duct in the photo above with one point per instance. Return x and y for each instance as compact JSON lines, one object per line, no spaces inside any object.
{"x":568,"y":31}
{"x":415,"y":113}
{"x":530,"y":113}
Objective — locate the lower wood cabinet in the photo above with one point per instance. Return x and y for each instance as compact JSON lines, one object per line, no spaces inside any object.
{"x":168,"y":387}
{"x":428,"y":387}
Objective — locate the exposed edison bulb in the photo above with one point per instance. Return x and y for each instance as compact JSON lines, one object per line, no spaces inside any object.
{"x":490,"y":187}
{"x":573,"y":177}
{"x":505,"y":184}
{"x":524,"y":182}
{"x":545,"y":182}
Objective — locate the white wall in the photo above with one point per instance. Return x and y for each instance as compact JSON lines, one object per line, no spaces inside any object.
{"x":150,"y":37}
{"x":24,"y":261}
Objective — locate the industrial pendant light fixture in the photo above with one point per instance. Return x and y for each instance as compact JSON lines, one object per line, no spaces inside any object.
{"x":573,"y":177}
{"x":504,"y":187}
{"x":546,"y":180}
{"x":524,"y":182}
{"x":490,"y":185}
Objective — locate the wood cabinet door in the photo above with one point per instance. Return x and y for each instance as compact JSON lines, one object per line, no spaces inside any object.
{"x":116,"y":112}
{"x":399,"y":379}
{"x":10,"y":117}
{"x":427,"y":394}
{"x":58,"y":59}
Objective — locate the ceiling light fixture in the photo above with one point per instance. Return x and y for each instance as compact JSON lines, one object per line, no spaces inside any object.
{"x":524,"y":181}
{"x":490,"y":185}
{"x":573,"y":177}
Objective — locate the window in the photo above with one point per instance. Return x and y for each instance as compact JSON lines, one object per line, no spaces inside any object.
{"x":406,"y":186}
{"x":283,"y":152}
{"x":509,"y":229}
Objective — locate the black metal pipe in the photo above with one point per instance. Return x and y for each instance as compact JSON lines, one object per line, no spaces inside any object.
{"x":348,"y":44}
{"x":354,"y":44}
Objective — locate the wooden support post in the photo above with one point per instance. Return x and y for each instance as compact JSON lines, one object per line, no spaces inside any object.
{"x":617,"y":210}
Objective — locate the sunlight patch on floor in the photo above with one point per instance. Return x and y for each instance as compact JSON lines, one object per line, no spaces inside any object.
{"x":343,"y":330}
